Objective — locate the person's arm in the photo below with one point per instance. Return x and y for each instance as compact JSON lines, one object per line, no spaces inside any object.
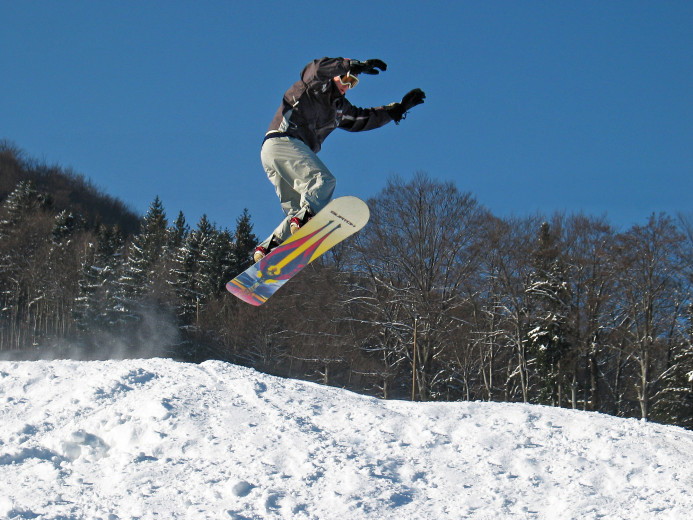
{"x":355,"y":119}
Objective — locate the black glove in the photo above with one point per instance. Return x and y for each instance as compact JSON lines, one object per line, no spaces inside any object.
{"x":367,"y":67}
{"x":412,"y":98}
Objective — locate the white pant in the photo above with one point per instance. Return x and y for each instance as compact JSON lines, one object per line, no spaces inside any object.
{"x":302,"y":181}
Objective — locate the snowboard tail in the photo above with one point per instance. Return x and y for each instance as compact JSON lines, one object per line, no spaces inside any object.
{"x":338,"y":220}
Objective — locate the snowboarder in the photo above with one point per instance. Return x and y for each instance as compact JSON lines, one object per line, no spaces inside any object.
{"x":311,"y":109}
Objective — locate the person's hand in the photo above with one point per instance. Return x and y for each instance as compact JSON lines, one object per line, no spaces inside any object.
{"x":367,"y":67}
{"x":412,"y":98}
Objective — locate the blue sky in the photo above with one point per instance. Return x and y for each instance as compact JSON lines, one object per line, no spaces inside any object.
{"x":532,"y":106}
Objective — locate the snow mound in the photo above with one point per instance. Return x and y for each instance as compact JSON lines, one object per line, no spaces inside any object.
{"x":160,"y":439}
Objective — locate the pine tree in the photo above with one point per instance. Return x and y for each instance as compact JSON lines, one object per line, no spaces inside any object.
{"x":24,"y":200}
{"x":66,"y":223}
{"x":24,"y":249}
{"x":674,"y":402}
{"x":191,"y":272}
{"x":220,"y":252}
{"x":99,"y":304}
{"x":145,"y":254}
{"x":243,"y":244}
{"x":549,"y":334}
{"x":178,"y":232}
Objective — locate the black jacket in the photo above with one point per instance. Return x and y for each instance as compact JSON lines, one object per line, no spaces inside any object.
{"x":314,"y":106}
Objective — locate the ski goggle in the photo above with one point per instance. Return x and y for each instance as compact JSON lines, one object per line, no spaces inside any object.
{"x":349,"y":80}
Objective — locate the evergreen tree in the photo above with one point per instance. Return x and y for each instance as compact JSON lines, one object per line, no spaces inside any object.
{"x":549,"y":335}
{"x":66,"y":223}
{"x":99,"y":304}
{"x":178,"y":232}
{"x":243,"y":244}
{"x":204,"y":237}
{"x":191,"y":272}
{"x":146,"y":251}
{"x":20,"y":202}
{"x":220,"y":252}
{"x":674,"y":403}
{"x":24,"y":249}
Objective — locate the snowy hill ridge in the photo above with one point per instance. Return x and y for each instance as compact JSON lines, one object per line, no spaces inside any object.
{"x":161,"y":439}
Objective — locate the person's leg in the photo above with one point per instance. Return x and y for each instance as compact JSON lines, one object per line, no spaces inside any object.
{"x":313,"y":180}
{"x":302,"y":181}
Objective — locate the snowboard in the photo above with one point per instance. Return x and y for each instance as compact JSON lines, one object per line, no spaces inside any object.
{"x":340,"y":219}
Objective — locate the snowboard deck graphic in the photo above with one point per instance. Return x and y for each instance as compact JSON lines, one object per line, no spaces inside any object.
{"x":340,"y":219}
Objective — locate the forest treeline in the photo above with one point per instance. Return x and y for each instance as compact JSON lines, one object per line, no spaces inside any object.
{"x":435,"y":299}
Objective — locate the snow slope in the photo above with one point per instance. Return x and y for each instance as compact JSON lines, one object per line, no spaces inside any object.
{"x":160,"y":439}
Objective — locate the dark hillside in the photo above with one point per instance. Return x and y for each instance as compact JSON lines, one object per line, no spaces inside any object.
{"x":67,"y":189}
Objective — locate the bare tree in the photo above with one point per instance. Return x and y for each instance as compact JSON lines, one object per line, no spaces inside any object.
{"x":588,"y":248}
{"x":651,"y":300}
{"x":418,"y":251}
{"x":510,"y":277}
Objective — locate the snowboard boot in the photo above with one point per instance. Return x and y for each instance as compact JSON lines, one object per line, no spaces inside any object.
{"x":261,"y":251}
{"x":297,"y":222}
